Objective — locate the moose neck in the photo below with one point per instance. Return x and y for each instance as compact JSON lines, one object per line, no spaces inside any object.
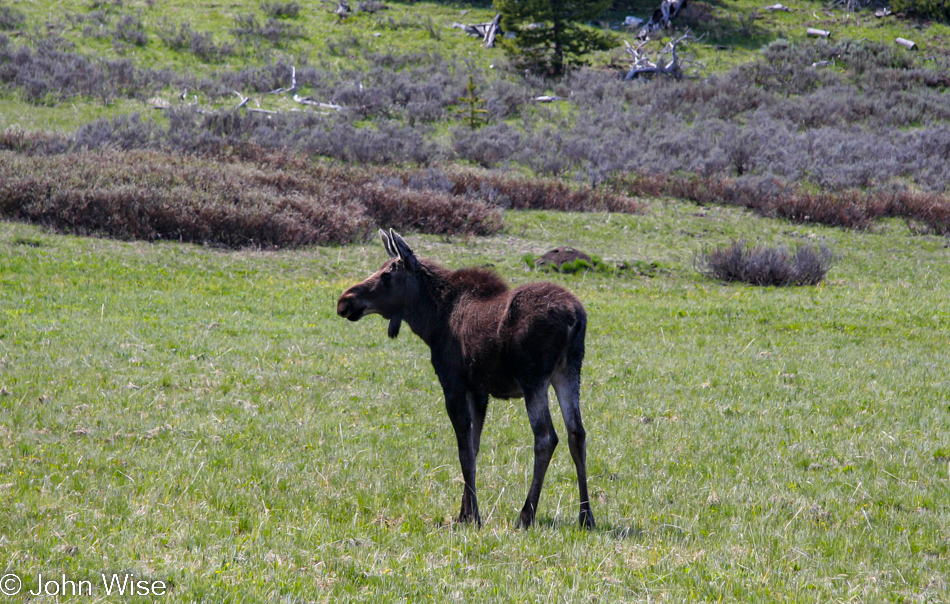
{"x":428,"y":313}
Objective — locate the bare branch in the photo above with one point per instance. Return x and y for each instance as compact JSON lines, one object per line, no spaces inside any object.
{"x":643,"y":66}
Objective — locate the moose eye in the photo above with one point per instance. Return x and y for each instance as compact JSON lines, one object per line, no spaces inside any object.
{"x":387,"y":277}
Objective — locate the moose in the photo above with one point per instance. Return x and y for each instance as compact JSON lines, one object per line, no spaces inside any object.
{"x":487,"y":340}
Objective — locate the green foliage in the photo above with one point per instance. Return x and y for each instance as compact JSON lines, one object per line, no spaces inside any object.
{"x":932,"y":9}
{"x":641,"y":268}
{"x":549,"y":36}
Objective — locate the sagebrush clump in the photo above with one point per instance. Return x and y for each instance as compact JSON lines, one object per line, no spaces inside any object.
{"x":767,"y":265}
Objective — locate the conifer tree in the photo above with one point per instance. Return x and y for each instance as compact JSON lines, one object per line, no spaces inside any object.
{"x":549,"y":35}
{"x":474,"y":115}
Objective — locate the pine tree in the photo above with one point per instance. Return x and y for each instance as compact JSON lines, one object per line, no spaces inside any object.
{"x":548,"y":35}
{"x":474,"y":116}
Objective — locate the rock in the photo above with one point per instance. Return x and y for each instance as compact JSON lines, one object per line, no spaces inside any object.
{"x":563,"y":255}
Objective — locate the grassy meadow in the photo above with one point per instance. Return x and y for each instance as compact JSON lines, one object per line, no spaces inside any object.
{"x":203,"y":417}
{"x":200,"y":416}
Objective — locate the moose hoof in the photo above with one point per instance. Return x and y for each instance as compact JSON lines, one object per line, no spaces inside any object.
{"x":526,"y":520}
{"x":587,"y":519}
{"x":469,"y":518}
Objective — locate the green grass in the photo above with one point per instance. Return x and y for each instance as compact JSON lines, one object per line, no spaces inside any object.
{"x":204,"y":418}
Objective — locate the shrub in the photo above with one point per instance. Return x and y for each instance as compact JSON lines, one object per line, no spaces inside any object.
{"x":488,"y":146}
{"x":131,"y":30}
{"x":281,"y":10}
{"x":370,"y":6}
{"x":763,"y":265}
{"x":226,"y":201}
{"x":249,"y":29}
{"x":11,"y":18}
{"x":200,"y":44}
{"x":53,"y":71}
{"x":428,"y":211}
{"x":521,"y":193}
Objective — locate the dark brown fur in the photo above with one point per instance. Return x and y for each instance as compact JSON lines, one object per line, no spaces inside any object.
{"x":487,"y":340}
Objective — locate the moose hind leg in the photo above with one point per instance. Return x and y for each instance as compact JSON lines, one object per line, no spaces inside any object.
{"x":545,"y":441}
{"x":460,"y":413}
{"x":567,"y":386}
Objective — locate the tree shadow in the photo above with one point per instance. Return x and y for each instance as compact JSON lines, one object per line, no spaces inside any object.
{"x":728,"y":29}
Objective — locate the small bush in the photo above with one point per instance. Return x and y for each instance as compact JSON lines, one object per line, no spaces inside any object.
{"x":763,"y":265}
{"x":200,"y":44}
{"x":274,"y":31}
{"x":130,"y":29}
{"x":370,"y":6}
{"x":281,"y":10}
{"x":10,"y":18}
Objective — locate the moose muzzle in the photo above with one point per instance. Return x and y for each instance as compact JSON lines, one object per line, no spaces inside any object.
{"x":350,"y":307}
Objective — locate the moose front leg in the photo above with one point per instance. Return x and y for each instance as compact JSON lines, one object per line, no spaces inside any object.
{"x":478,"y":403}
{"x":460,"y":413}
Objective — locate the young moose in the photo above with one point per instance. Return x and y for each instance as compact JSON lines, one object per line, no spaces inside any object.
{"x":487,"y":340}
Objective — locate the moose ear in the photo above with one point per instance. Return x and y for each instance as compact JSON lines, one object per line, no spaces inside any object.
{"x":404,"y":251}
{"x":388,"y":244}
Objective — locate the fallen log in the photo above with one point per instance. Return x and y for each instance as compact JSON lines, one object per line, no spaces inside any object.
{"x":908,"y":44}
{"x":818,"y":33}
{"x":493,"y":29}
{"x":486,"y":31}
{"x":308,"y":100}
{"x":244,"y":100}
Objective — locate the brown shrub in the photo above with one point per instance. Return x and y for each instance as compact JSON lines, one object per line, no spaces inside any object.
{"x":850,"y":209}
{"x":153,"y":195}
{"x":428,"y":211}
{"x":522,"y":193}
{"x":247,"y":195}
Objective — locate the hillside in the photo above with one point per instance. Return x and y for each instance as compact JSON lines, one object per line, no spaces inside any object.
{"x":165,"y":46}
{"x":840,"y":131}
